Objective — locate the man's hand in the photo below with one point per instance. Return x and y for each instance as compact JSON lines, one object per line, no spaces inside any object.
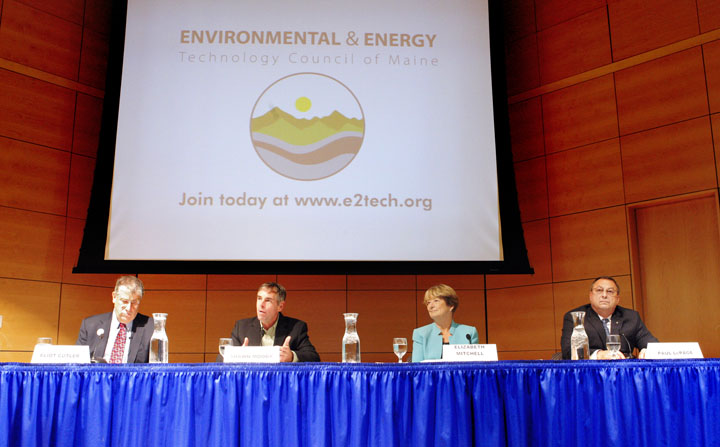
{"x":286,"y":354}
{"x":246,"y":342}
{"x":641,"y":354}
{"x":609,"y":355}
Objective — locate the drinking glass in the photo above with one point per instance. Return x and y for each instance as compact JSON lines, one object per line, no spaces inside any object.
{"x":613,"y":345}
{"x":44,"y":341}
{"x":221,"y":346}
{"x":400,"y":347}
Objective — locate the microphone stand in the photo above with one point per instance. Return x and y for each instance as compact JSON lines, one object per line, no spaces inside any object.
{"x":630,"y":348}
{"x":93,"y":358}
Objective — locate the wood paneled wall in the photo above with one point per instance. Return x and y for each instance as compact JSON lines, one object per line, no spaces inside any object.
{"x":612,"y":106}
{"x":611,"y":103}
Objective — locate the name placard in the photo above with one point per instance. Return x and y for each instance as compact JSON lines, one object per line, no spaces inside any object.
{"x":61,"y":354}
{"x":689,"y":350}
{"x":252,"y":354}
{"x":469,"y":353}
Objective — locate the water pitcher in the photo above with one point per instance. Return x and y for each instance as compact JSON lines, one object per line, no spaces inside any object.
{"x":159,"y":340}
{"x":350,"y":341}
{"x":579,"y":347}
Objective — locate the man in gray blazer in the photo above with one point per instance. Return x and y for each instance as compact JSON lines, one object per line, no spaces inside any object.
{"x":123,"y":335}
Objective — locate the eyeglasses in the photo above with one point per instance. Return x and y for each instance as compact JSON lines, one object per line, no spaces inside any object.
{"x":600,"y":290}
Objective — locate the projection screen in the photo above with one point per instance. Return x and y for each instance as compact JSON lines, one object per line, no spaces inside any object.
{"x":330,"y":132}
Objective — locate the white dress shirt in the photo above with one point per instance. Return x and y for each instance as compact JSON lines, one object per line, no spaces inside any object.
{"x":114,"y":328}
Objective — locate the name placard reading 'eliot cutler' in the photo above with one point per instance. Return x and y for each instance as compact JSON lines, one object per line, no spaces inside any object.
{"x":469,"y":353}
{"x":690,"y":350}
{"x":252,"y":354}
{"x":60,"y":354}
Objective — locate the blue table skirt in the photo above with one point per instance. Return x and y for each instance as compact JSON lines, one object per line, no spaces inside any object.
{"x":631,"y":402}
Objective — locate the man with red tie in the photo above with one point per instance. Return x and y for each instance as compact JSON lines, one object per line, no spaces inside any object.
{"x":123,"y":335}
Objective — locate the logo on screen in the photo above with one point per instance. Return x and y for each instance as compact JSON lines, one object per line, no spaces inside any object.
{"x":307,"y":126}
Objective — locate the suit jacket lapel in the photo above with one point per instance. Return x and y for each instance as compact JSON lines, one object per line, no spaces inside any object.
{"x":454,"y":335}
{"x":254,"y":337}
{"x":135,"y":340}
{"x":617,"y":322}
{"x":592,"y":320}
{"x":435,"y":343}
{"x":281,"y":330}
{"x":105,"y":325}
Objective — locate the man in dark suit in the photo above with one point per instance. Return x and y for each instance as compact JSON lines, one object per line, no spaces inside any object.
{"x":603,"y":316}
{"x":123,"y":335}
{"x":272,"y":328}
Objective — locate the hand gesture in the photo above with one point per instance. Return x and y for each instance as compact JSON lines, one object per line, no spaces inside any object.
{"x":286,"y":354}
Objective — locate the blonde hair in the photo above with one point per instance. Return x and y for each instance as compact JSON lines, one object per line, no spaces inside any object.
{"x":445,"y":292}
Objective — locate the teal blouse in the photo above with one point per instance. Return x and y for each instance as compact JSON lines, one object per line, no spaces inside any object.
{"x":427,"y":340}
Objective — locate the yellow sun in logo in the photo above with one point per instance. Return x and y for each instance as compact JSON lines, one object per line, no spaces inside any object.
{"x":303,"y":104}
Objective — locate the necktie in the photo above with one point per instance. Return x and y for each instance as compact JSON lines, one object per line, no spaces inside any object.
{"x":606,"y":322}
{"x":119,"y":347}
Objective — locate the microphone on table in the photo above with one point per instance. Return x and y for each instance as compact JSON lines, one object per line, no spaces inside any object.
{"x":93,"y":359}
{"x":469,"y":338}
{"x":630,"y":348}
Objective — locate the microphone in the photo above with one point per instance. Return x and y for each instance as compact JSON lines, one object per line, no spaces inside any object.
{"x":469,"y":338}
{"x":93,"y":358}
{"x":630,"y":348}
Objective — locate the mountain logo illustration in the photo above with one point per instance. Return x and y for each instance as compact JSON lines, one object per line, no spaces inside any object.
{"x":307,"y":126}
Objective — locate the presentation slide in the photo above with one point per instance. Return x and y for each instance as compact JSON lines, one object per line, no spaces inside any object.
{"x":317,"y":130}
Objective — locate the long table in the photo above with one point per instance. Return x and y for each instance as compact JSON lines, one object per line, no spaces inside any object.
{"x":539,"y":403}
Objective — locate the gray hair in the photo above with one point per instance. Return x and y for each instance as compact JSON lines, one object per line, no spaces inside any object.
{"x":131,"y":282}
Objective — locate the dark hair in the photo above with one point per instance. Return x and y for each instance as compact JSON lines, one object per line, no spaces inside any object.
{"x":609,"y":278}
{"x":277,"y":288}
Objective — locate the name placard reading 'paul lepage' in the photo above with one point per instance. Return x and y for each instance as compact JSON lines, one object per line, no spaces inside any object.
{"x":469,"y":353}
{"x":60,"y":354}
{"x":252,"y":354}
{"x":690,"y":350}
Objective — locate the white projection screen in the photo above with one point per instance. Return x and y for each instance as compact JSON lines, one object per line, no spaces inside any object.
{"x":315,"y":136}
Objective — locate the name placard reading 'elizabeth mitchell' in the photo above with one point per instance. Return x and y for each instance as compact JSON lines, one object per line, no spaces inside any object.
{"x":61,"y":354}
{"x":252,"y":354}
{"x":469,"y":353}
